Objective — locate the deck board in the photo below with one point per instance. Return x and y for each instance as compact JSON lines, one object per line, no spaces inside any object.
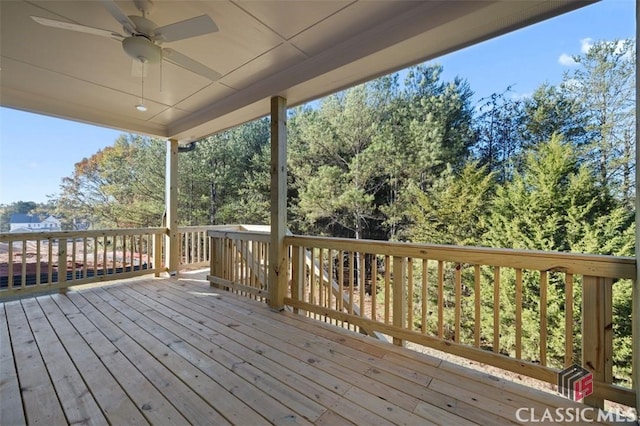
{"x":169,"y":351}
{"x":12,"y":411}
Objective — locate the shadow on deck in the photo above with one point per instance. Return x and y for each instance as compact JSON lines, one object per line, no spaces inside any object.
{"x":176,"y":351}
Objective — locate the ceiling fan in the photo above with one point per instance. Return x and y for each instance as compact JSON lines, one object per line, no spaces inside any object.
{"x":143,"y":37}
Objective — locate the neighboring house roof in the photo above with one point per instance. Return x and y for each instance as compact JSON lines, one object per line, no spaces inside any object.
{"x":24,"y":218}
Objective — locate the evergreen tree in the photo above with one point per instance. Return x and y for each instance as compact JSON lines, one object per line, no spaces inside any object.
{"x":604,"y":85}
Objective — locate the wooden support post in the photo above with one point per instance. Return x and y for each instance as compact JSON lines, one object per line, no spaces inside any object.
{"x":172,"y":248}
{"x":399,"y":297}
{"x":597,"y":332}
{"x":278,"y":265}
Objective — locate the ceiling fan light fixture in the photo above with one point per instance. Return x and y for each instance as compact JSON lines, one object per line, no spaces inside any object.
{"x":142,"y":49}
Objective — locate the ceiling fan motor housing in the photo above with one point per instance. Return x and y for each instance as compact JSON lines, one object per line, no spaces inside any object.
{"x":139,"y":47}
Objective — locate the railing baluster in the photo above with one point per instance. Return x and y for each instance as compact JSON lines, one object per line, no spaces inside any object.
{"x":321,"y":283}
{"x":49,"y":260}
{"x":312,"y":279}
{"x":496,"y":309}
{"x":351,"y":281}
{"x":477,"y":306}
{"x":340,"y":300}
{"x":84,"y":257}
{"x":23,"y":272}
{"x":374,"y":288}
{"x":331,"y":277}
{"x":387,"y":286}
{"x":440,"y":299}
{"x":544,"y":282}
{"x":363,"y":268}
{"x":425,"y":294}
{"x":458,"y":301}
{"x":38,"y":262}
{"x":410,"y":293}
{"x":568,"y":320}
{"x":518,"y":313}
{"x":399,"y":298}
{"x":10,"y":266}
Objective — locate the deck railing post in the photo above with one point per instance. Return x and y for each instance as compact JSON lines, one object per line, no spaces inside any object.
{"x":597,"y":332}
{"x":62,"y":260}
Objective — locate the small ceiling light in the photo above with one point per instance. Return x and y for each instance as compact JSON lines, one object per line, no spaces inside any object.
{"x":141,"y":107}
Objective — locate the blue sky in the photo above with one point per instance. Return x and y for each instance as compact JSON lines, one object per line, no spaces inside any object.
{"x":36,"y":152}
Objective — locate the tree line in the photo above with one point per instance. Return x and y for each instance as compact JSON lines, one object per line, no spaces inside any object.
{"x":411,"y":159}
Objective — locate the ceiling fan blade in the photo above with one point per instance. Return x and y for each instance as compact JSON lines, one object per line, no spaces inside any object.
{"x":193,"y":27}
{"x":75,"y":27}
{"x":189,"y":64}
{"x":120,"y":16}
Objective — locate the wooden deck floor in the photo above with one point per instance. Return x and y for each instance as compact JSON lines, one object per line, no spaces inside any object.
{"x":168,"y":351}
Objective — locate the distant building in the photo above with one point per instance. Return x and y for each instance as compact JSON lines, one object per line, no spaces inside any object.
{"x":20,"y":222}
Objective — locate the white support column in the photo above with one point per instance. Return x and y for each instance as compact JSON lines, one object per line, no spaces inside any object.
{"x":635,"y":311}
{"x":171,"y":246}
{"x":278,"y":264}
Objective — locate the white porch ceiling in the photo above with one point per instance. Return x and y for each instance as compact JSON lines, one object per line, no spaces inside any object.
{"x":300,"y":50}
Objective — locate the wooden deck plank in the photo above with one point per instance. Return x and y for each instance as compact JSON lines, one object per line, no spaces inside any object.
{"x":395,"y":360}
{"x":230,"y":354}
{"x":214,"y":356}
{"x":75,"y":398}
{"x":191,"y":363}
{"x":12,"y":412}
{"x":41,"y":403}
{"x":382,"y":391}
{"x":303,"y":377}
{"x":151,"y":358}
{"x":331,"y":354}
{"x":112,"y":399}
{"x":344,"y":407}
{"x":407,"y":380}
{"x":154,"y":406}
{"x":477,"y":382}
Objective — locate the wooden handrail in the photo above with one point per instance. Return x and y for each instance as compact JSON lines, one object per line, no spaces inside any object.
{"x":574,"y":263}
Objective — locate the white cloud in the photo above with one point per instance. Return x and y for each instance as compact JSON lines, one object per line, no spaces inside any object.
{"x":586,"y":44}
{"x":566,"y":60}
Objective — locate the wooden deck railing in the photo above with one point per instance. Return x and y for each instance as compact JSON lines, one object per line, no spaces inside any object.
{"x":194,"y":245}
{"x":240,"y":260}
{"x":477,"y":303}
{"x":41,"y":261}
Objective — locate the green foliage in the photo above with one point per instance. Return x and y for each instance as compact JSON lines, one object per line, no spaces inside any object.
{"x":119,"y":186}
{"x":454,"y":210}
